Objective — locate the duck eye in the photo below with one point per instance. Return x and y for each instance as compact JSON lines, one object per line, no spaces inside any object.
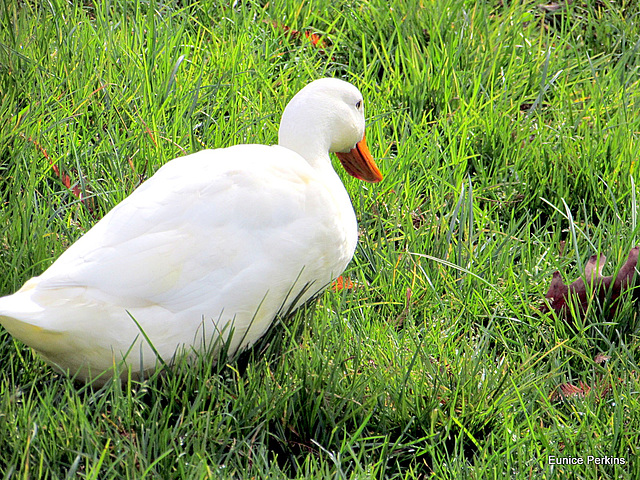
{"x":359,"y":104}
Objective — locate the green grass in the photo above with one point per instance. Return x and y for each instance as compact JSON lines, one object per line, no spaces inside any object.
{"x":501,"y":134}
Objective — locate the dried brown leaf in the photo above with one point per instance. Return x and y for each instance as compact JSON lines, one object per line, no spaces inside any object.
{"x":592,"y":285}
{"x":64,"y":177}
{"x":566,"y":391}
{"x":554,"y":7}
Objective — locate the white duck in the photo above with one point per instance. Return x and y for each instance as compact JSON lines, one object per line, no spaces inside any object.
{"x":215,"y":243}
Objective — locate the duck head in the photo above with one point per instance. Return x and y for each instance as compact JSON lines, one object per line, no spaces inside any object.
{"x":328,"y":116}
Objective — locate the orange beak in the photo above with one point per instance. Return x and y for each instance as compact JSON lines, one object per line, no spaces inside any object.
{"x":359,"y":163}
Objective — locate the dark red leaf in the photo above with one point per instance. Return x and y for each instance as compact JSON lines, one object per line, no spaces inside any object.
{"x":593,"y":285}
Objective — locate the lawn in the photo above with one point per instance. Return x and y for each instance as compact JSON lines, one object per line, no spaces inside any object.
{"x":508,"y":136}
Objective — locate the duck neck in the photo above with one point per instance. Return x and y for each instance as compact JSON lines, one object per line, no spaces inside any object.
{"x":305,"y":135}
{"x":312,"y":150}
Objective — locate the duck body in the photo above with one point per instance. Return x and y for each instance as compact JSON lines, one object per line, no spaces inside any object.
{"x":210,"y":249}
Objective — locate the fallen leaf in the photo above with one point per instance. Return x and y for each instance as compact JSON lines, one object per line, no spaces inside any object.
{"x":566,"y":391}
{"x":316,"y":39}
{"x":601,"y":358}
{"x":342,"y":283}
{"x":593,"y":285}
{"x":554,"y":7}
{"x":64,"y":177}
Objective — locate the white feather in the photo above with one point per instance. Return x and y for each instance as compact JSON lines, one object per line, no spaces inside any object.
{"x":218,"y":241}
